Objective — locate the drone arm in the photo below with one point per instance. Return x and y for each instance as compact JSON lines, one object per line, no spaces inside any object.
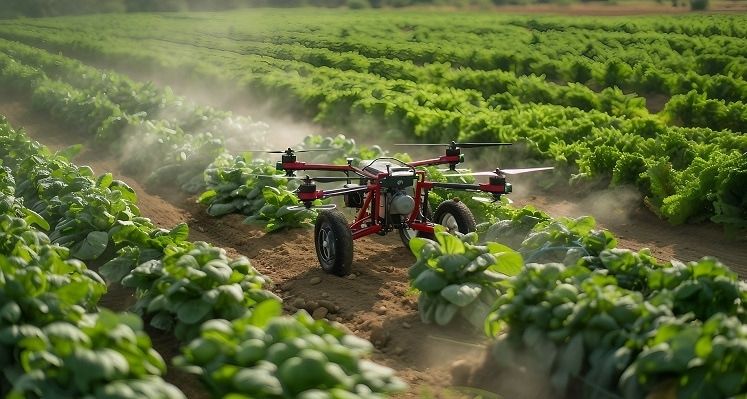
{"x":293,"y":166}
{"x":341,"y":191}
{"x":487,"y":188}
{"x":446,"y":159}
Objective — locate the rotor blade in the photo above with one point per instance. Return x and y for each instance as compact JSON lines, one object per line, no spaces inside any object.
{"x":320,"y":207}
{"x":452,"y":170}
{"x":470,"y":174}
{"x":421,"y":145}
{"x":462,"y":145}
{"x":284,"y":151}
{"x":484,"y":200}
{"x":476,"y":145}
{"x":506,"y":171}
{"x":525,"y":170}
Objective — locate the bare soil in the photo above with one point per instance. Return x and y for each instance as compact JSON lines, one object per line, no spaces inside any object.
{"x":375,"y":302}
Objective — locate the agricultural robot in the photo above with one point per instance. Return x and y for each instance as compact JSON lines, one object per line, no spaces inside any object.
{"x":388,"y":195}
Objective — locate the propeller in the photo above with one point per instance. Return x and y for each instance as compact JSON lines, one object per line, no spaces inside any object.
{"x":321,"y":207}
{"x":288,"y":151}
{"x":486,"y":200}
{"x":503,"y":171}
{"x":318,"y":179}
{"x":454,"y":144}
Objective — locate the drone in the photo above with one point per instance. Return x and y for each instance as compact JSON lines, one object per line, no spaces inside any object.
{"x":388,"y":195}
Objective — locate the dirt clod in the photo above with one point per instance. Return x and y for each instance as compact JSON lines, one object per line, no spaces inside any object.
{"x":320,"y":313}
{"x":329,"y":305}
{"x":299,"y":303}
{"x":315,"y":280}
{"x":379,"y":336}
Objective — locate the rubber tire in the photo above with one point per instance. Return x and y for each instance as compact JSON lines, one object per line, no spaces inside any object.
{"x":404,"y":236}
{"x":464,"y":218}
{"x":340,"y":259}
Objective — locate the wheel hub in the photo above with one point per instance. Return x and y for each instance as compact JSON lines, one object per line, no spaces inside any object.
{"x":450,"y":222}
{"x":327,"y":245}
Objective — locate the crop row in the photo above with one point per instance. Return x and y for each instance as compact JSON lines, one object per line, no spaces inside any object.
{"x":592,"y":319}
{"x":463,"y":67}
{"x":177,"y":150}
{"x":687,"y":174}
{"x":482,"y":43}
{"x":180,"y":286}
{"x":54,"y":341}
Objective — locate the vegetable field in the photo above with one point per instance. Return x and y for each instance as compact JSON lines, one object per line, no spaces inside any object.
{"x":158,"y":212}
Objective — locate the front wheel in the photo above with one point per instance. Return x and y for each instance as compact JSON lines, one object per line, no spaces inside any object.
{"x":334,"y":243}
{"x":455,"y":216}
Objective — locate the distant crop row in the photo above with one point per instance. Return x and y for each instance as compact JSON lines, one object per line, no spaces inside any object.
{"x":685,"y":173}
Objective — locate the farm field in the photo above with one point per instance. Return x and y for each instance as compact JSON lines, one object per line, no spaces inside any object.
{"x":643,"y":118}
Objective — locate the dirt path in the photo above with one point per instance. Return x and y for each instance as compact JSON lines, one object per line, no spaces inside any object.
{"x":375,"y":302}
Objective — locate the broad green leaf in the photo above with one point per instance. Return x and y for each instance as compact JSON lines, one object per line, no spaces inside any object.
{"x":450,"y":244}
{"x":417,"y":244}
{"x":34,"y":218}
{"x":494,"y":248}
{"x":445,"y":312}
{"x":116,"y":269}
{"x":429,"y":281}
{"x":162,"y":321}
{"x":180,"y":232}
{"x":192,"y":311}
{"x":451,"y":264}
{"x":74,"y":292}
{"x":221,"y":209}
{"x":508,"y":263}
{"x":93,"y":245}
{"x":127,"y":192}
{"x":105,"y":180}
{"x":264,"y":312}
{"x":70,"y":152}
{"x":207,"y":196}
{"x":461,"y":294}
{"x":582,"y":225}
{"x":10,"y":312}
{"x":480,"y":263}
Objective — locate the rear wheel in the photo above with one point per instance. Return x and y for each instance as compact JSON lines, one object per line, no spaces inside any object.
{"x":407,"y":234}
{"x":334,"y":243}
{"x":455,"y":216}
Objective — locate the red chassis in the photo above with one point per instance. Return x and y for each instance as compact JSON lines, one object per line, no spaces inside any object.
{"x":389,"y":195}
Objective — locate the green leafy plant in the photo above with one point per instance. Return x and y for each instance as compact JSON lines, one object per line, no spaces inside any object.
{"x":455,"y":276}
{"x":191,"y":285}
{"x":104,"y":355}
{"x":266,"y":355}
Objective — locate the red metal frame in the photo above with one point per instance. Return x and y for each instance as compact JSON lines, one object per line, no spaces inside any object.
{"x":368,"y":221}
